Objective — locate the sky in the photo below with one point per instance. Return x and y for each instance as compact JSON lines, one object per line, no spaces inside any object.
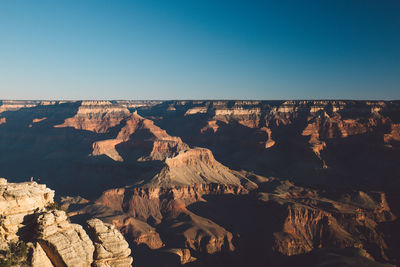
{"x":199,"y":49}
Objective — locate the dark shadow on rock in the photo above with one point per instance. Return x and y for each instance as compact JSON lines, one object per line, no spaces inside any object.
{"x":144,"y":256}
{"x":251,"y":222}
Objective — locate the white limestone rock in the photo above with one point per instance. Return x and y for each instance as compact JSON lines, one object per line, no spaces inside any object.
{"x":66,"y":244}
{"x":39,"y":257}
{"x":112,"y":250}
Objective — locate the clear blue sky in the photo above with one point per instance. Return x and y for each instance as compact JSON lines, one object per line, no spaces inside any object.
{"x":199,"y":49}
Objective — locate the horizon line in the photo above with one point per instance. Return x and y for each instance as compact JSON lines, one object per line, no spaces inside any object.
{"x":216,"y":99}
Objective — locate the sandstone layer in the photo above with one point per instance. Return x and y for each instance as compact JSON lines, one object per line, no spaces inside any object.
{"x":111,"y":249}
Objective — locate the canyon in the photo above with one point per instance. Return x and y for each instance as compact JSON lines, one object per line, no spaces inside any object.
{"x":202,"y":183}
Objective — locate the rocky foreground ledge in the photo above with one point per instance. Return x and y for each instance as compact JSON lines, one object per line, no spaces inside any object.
{"x":33,"y":232}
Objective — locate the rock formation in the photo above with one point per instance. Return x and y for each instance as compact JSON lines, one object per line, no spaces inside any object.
{"x":138,"y":231}
{"x":111,"y":249}
{"x":133,"y":134}
{"x":17,"y":201}
{"x":96,"y":116}
{"x":65,"y":244}
{"x":39,"y":257}
{"x":311,"y":219}
{"x":27,"y":216}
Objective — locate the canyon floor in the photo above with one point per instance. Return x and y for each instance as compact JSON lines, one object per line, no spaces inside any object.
{"x":219,"y":183}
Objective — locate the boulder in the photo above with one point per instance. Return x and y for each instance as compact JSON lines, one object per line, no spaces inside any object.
{"x":39,"y":257}
{"x":111,"y":249}
{"x":66,"y":244}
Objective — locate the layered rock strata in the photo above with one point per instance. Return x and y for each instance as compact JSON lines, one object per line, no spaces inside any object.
{"x":161,"y":145}
{"x":311,"y":219}
{"x":17,"y":201}
{"x":66,"y":244}
{"x":28,"y":216}
{"x":111,"y":249}
{"x":96,"y":116}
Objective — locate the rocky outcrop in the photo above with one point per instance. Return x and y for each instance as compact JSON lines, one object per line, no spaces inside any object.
{"x":18,"y":200}
{"x":111,"y":249}
{"x":65,"y":244}
{"x":23,"y":198}
{"x":28,"y":216}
